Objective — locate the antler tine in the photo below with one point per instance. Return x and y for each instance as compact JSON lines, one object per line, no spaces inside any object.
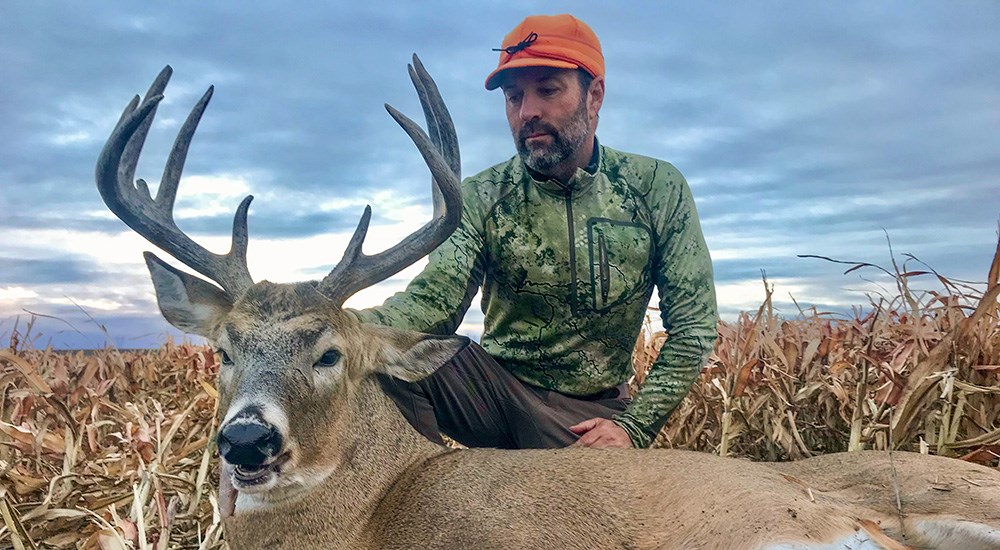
{"x":439,"y":125}
{"x":358,"y":270}
{"x":130,"y":159}
{"x":153,"y":218}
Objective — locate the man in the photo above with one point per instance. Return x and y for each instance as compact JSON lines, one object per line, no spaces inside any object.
{"x":567,"y":240}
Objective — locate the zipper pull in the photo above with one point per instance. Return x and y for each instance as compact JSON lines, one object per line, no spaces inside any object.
{"x":602,"y":255}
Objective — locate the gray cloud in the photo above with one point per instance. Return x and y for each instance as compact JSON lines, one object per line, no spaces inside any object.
{"x":21,"y":271}
{"x":803,"y":128}
{"x":53,"y":220}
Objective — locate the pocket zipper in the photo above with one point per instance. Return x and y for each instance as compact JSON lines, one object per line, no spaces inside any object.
{"x":605,"y":275}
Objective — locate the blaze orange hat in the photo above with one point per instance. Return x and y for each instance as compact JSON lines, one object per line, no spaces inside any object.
{"x":561,"y":41}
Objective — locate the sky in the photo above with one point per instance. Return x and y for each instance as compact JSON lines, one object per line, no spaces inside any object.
{"x":827,"y":128}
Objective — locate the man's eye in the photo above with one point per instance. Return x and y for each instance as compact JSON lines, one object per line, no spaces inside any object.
{"x":329,"y":358}
{"x":548,"y":91}
{"x":224,"y":357}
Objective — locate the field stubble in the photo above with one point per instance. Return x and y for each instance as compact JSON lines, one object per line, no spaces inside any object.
{"x":115,"y":449}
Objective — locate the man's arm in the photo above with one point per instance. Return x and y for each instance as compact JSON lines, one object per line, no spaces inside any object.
{"x":436,"y":300}
{"x":683,"y":276}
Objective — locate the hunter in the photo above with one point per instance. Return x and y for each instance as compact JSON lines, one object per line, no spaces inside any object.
{"x":567,"y":240}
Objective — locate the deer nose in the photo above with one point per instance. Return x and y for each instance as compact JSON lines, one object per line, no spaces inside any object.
{"x":249,"y":444}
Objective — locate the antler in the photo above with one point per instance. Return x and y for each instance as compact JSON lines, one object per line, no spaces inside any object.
{"x":154,"y":218}
{"x":358,"y":270}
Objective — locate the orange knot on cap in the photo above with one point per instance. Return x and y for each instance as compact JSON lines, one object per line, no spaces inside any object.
{"x":560,"y":41}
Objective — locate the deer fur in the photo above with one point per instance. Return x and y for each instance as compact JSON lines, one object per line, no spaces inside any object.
{"x":361,"y":477}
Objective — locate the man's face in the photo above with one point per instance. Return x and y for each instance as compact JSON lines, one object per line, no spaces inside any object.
{"x":549,"y":116}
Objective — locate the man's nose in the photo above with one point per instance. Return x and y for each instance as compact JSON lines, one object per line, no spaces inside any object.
{"x":530,"y":108}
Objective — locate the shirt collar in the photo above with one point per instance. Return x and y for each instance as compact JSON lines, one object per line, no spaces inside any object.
{"x":582,"y":180}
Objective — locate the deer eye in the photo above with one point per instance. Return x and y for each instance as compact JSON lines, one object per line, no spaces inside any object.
{"x":329,"y":358}
{"x":224,"y":357}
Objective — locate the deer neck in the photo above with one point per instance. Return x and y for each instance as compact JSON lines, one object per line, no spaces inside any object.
{"x":379,"y":450}
{"x":383,"y":447}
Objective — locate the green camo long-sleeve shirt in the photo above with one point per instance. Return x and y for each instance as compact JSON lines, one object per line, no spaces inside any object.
{"x":567,"y":272}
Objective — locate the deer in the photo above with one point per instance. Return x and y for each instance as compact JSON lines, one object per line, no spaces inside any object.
{"x":313,"y":454}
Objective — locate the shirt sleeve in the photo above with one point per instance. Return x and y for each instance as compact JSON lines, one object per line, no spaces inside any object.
{"x":683,"y":276}
{"x":437,"y":299}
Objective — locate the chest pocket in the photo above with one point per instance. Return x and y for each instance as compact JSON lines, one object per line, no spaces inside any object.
{"x":619,"y":260}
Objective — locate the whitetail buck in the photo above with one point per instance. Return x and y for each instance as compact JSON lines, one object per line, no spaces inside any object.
{"x":321,"y":458}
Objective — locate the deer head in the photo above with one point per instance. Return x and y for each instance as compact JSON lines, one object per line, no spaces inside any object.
{"x":289,"y":353}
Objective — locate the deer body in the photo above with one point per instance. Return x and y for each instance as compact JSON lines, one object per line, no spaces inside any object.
{"x":401,"y":491}
{"x":315,"y":455}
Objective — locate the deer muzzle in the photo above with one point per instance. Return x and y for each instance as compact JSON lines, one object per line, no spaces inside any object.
{"x":253,"y":447}
{"x":249,"y":445}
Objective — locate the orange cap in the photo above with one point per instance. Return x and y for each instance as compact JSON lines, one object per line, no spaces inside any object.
{"x":561,"y":41}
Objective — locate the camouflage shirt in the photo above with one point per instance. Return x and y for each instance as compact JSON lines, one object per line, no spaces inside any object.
{"x":567,"y":272}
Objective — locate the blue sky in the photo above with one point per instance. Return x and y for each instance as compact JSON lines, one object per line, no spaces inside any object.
{"x":803,"y":128}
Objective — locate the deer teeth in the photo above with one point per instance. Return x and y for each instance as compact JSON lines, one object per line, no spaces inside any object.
{"x":250,"y":473}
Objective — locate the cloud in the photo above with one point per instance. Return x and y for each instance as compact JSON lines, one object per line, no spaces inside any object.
{"x":21,"y":271}
{"x":802,"y":128}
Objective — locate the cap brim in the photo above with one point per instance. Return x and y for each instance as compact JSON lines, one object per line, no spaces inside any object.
{"x":493,"y":81}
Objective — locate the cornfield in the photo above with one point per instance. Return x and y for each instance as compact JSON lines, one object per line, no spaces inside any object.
{"x":114,"y":449}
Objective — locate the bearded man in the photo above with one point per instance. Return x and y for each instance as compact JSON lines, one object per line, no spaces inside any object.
{"x":567,"y":240}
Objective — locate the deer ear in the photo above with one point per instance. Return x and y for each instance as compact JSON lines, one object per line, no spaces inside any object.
{"x":413,"y":356}
{"x":187,"y":302}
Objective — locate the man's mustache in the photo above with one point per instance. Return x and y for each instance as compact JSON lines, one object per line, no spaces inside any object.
{"x":536,"y":127}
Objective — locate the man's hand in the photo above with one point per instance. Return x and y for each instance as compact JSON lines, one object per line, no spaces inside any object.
{"x":601,"y":433}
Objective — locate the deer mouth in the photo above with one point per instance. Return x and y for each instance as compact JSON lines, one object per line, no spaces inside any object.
{"x":247,"y":478}
{"x":248,"y":475}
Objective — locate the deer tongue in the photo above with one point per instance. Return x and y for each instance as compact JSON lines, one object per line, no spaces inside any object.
{"x":227,"y":493}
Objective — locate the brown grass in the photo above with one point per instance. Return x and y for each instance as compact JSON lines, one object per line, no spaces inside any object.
{"x":115,"y":449}
{"x":108,"y":449}
{"x":916,"y":371}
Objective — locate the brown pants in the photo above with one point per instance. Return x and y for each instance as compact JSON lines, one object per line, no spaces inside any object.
{"x":475,"y":401}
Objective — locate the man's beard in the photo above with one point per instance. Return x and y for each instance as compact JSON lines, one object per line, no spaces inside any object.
{"x":565,"y":142}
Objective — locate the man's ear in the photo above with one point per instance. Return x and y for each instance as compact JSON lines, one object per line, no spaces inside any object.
{"x":595,"y":96}
{"x":411,"y":356}
{"x":187,"y":302}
